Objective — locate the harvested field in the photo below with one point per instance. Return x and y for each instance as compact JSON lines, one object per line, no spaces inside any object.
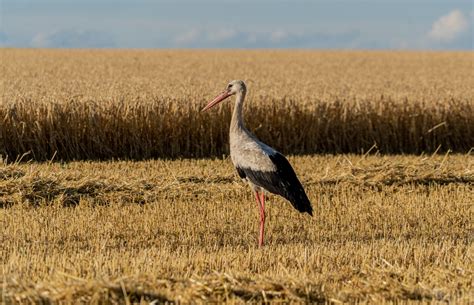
{"x":84,"y":104}
{"x":386,"y":229}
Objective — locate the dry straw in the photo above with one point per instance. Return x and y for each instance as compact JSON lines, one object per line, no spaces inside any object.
{"x":385,"y":229}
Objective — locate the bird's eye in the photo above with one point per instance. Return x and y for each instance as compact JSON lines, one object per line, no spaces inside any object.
{"x":229,"y":86}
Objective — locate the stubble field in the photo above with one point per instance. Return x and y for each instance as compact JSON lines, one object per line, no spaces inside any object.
{"x":386,"y":228}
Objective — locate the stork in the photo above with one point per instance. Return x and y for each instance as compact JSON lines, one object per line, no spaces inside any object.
{"x":258,"y":164}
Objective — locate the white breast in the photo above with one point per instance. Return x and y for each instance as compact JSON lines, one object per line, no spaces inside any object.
{"x":248,"y":152}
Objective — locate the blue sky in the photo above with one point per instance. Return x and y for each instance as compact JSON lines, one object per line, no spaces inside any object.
{"x":370,"y":24}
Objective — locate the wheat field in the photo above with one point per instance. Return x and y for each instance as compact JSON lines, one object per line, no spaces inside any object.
{"x":142,"y":104}
{"x":115,"y":189}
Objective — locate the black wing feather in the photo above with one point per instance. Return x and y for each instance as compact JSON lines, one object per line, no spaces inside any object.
{"x":241,"y":172}
{"x":282,"y":182}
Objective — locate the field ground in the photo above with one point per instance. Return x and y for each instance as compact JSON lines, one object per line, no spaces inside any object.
{"x":385,"y":229}
{"x":393,"y":228}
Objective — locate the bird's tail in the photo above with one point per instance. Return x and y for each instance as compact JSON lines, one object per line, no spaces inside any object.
{"x":301,"y":203}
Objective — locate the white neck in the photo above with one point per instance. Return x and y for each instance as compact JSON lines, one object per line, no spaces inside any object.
{"x":237,"y":121}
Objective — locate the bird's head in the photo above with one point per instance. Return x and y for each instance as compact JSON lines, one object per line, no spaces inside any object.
{"x":234,"y":87}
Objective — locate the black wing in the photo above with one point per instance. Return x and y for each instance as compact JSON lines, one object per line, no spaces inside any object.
{"x":240,"y":172}
{"x":282,"y":182}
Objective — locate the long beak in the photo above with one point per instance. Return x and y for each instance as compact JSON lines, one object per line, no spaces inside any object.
{"x":225,"y":94}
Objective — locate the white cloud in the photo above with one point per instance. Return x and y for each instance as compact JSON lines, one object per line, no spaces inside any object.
{"x":188,"y":37}
{"x":235,"y":38}
{"x":73,"y":39}
{"x":40,"y":40}
{"x":221,"y":34}
{"x":278,"y":36}
{"x":448,"y":27}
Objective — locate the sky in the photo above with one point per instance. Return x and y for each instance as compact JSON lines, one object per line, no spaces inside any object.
{"x":336,"y":24}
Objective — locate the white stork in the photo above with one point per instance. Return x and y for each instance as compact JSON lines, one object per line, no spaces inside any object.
{"x":264,"y":168}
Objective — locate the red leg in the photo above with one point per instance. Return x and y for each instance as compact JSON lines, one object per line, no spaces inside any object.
{"x":262,"y":217}
{"x":261,"y":206}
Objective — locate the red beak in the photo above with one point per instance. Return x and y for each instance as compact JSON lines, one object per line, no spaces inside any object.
{"x":225,"y":94}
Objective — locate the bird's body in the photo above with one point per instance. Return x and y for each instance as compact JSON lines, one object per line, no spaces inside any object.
{"x":264,"y":168}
